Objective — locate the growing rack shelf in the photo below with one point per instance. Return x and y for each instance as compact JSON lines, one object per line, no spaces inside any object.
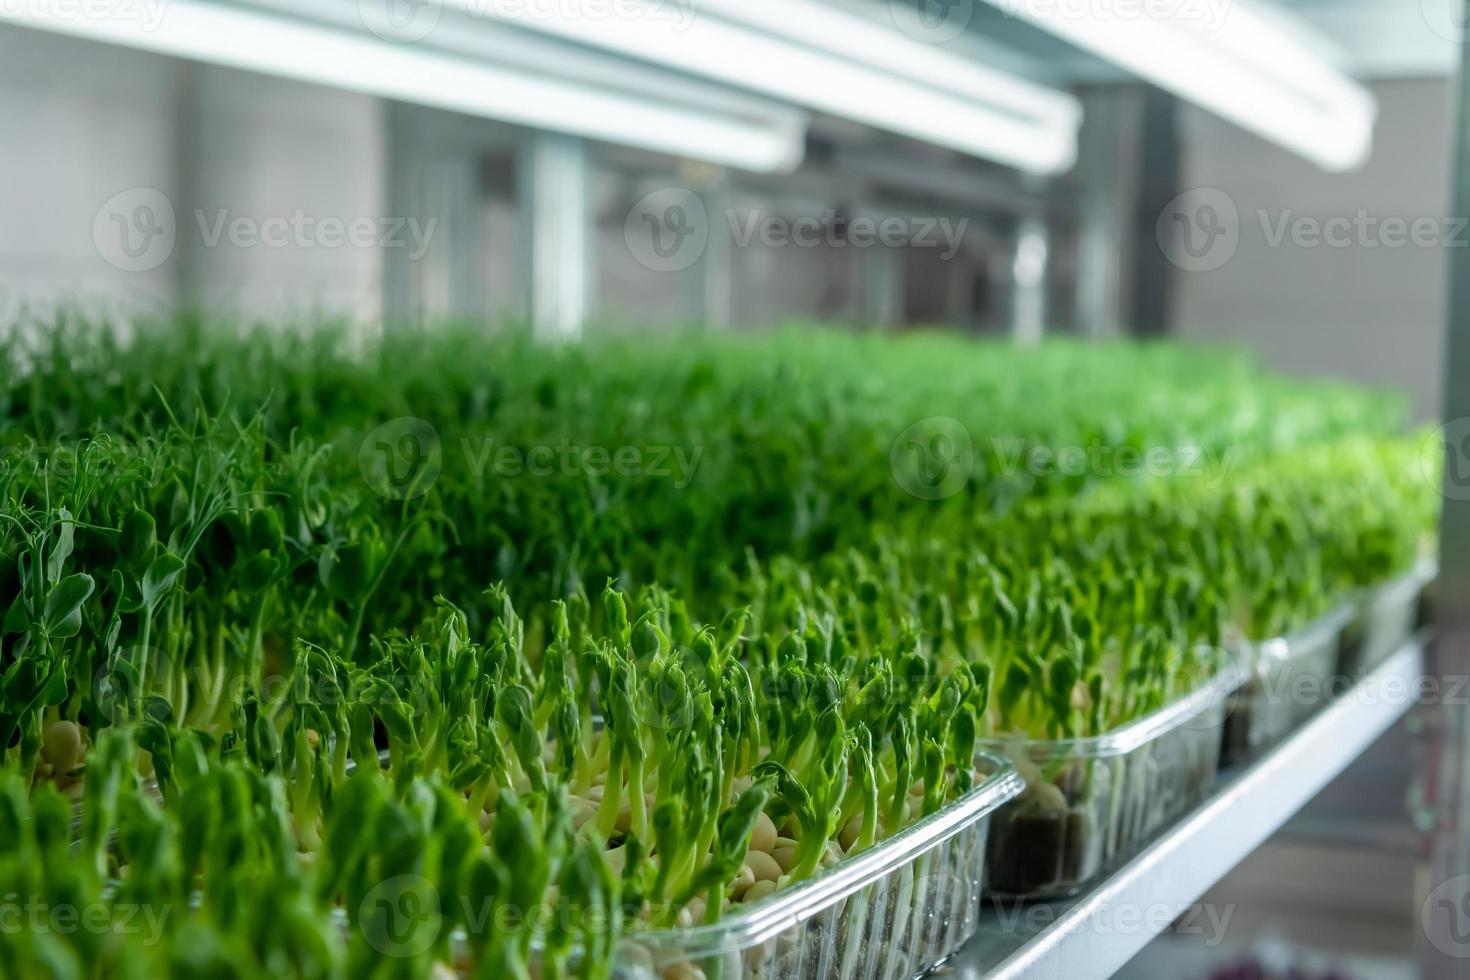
{"x":1096,"y":933}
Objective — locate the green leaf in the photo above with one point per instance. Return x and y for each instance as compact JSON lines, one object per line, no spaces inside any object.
{"x":258,"y":573}
{"x":17,"y":617}
{"x":160,"y":578}
{"x":61,"y":551}
{"x":62,"y":615}
{"x":139,"y":539}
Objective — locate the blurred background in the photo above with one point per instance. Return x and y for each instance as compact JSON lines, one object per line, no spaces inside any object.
{"x":1274,"y":175}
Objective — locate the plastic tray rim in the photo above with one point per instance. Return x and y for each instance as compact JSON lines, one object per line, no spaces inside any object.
{"x":1235,"y":667}
{"x":789,"y":907}
{"x":1330,"y":624}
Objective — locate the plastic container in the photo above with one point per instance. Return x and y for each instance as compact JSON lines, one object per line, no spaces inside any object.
{"x":1292,"y":679}
{"x":1386,"y":619}
{"x":1091,"y":802}
{"x":895,"y":911}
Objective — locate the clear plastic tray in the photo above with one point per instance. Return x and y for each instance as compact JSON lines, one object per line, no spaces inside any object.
{"x":1292,"y":680}
{"x":893,"y":912}
{"x":1091,"y":802}
{"x":1386,"y":618}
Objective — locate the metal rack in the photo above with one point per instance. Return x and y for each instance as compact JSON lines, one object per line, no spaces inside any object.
{"x":1098,"y":932}
{"x":1446,"y":949}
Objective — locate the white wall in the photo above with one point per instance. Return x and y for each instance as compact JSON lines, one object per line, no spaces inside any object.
{"x":92,"y":136}
{"x":78,"y":123}
{"x":259,"y":150}
{"x":81,"y":123}
{"x":1369,"y":313}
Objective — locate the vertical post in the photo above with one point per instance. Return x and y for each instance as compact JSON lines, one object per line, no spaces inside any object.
{"x":1108,"y":168}
{"x":881,"y":275}
{"x":433,"y":175}
{"x":1028,"y":275}
{"x":1158,"y":184}
{"x":1129,"y":170}
{"x":716,"y":266}
{"x":1445,"y":913}
{"x":556,"y":190}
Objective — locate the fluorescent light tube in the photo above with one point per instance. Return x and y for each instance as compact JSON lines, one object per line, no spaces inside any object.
{"x":1248,"y":66}
{"x":819,"y":24}
{"x":258,"y":41}
{"x":832,"y":62}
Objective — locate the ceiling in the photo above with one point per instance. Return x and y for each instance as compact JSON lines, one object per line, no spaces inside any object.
{"x":1370,"y":38}
{"x":1388,"y":38}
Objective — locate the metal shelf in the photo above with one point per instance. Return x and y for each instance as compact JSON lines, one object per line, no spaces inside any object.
{"x":1095,"y":934}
